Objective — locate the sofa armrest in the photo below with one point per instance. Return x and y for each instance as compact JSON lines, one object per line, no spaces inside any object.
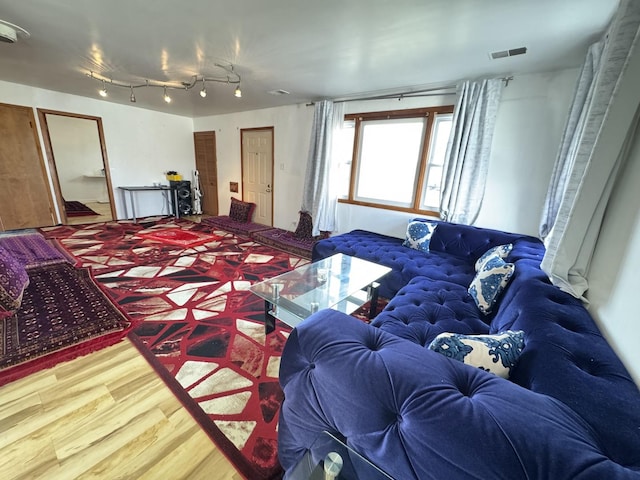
{"x":417,"y":414}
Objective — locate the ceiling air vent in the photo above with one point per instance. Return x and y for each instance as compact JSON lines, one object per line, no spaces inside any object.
{"x":508,"y":53}
{"x":279,"y":91}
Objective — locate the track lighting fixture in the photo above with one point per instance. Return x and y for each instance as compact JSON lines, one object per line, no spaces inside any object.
{"x":227,"y":75}
{"x":203,"y":92}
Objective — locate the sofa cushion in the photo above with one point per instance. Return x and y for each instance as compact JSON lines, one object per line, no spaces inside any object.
{"x":13,"y":281}
{"x":419,"y":234}
{"x":241,"y":211}
{"x":501,"y":251}
{"x":466,"y":241}
{"x":488,"y":284}
{"x":497,"y":354}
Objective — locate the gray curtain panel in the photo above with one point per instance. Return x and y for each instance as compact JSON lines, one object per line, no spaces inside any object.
{"x":467,"y":158}
{"x":571,"y":137}
{"x":610,"y":126}
{"x":318,"y":198}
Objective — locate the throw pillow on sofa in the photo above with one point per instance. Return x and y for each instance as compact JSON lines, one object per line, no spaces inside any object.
{"x":419,"y":235}
{"x":497,"y":354}
{"x":13,"y":281}
{"x":489,"y":283}
{"x":241,"y":211}
{"x":501,"y":251}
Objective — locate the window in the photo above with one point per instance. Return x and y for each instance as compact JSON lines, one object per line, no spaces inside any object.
{"x":397,"y":158}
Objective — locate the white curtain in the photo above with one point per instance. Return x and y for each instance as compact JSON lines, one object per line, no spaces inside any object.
{"x":467,"y":158}
{"x":571,"y":137}
{"x":319,"y":196}
{"x":602,"y":148}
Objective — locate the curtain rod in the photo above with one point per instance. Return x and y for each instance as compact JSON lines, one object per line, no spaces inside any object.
{"x":410,"y":94}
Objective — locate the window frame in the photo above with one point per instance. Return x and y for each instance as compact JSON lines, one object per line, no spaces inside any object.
{"x":430,"y":114}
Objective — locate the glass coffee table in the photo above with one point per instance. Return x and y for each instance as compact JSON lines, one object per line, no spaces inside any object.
{"x":340,"y":282}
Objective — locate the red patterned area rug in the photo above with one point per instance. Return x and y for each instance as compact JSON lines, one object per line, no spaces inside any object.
{"x":202,"y":330}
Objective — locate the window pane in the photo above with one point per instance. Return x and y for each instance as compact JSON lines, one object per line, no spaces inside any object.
{"x":389,"y":156}
{"x":437,"y":151}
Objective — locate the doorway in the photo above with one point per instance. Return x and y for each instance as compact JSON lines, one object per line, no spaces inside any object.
{"x":257,"y":171}
{"x":79,"y":166}
{"x":207,"y":167}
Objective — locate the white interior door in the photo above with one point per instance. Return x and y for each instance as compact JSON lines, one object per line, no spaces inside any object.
{"x":257,"y":172}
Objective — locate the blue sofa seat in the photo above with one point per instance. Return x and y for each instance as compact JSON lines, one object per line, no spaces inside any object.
{"x":569,"y":410}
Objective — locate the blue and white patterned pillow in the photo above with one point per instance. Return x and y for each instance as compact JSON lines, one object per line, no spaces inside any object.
{"x":501,"y":251}
{"x":488,"y":284}
{"x":419,"y":235}
{"x":497,"y":354}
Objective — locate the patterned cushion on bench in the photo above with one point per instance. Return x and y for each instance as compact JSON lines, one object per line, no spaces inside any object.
{"x":224,"y":222}
{"x":287,"y":241}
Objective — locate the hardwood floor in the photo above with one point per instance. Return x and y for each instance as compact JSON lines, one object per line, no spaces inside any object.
{"x":106,"y":415}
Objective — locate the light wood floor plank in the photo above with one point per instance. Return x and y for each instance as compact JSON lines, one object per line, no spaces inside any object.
{"x":106,"y":415}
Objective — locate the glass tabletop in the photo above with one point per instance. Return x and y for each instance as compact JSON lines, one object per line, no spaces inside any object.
{"x":331,"y":459}
{"x":334,"y":282}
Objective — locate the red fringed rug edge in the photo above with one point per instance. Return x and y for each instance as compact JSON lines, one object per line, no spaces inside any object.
{"x":52,"y":359}
{"x":222,"y":442}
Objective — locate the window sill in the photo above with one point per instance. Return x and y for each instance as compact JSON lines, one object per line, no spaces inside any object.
{"x":389,"y":207}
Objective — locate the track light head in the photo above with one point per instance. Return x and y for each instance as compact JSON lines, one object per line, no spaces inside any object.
{"x":238,"y":92}
{"x":132,"y":97}
{"x":166,"y":96}
{"x":103,"y":91}
{"x":203,"y":92}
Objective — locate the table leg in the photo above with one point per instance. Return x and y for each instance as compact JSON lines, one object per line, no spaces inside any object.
{"x":373,"y":299}
{"x":124,"y":203}
{"x":133,"y":206}
{"x":269,"y":319}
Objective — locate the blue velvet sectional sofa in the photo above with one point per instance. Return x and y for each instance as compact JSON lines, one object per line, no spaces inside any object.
{"x":568,"y":410}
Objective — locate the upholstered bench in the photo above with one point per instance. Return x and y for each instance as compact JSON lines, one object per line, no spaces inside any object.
{"x":238,"y":221}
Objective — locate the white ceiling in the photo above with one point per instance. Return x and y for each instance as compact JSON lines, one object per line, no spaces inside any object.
{"x":312,"y":48}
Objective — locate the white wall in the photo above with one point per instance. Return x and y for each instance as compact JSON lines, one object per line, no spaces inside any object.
{"x":531,"y":118}
{"x":292,"y":129}
{"x":141,"y":144}
{"x":530,"y":122}
{"x":613,"y":276}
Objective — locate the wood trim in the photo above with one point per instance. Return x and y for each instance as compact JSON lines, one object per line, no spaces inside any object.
{"x":42,"y":116}
{"x":389,"y":207}
{"x":408,"y":113}
{"x":430,"y":113}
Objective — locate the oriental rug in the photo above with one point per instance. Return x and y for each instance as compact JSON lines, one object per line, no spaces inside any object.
{"x":63,"y":315}
{"x":73,"y":208}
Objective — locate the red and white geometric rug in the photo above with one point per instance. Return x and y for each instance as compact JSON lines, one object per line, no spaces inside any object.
{"x":202,"y":330}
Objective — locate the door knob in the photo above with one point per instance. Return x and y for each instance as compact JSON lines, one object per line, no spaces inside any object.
{"x":268,"y":188}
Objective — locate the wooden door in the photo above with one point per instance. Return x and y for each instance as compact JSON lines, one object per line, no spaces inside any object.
{"x":207,"y":166}
{"x":25,"y":196}
{"x":257,"y":172}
